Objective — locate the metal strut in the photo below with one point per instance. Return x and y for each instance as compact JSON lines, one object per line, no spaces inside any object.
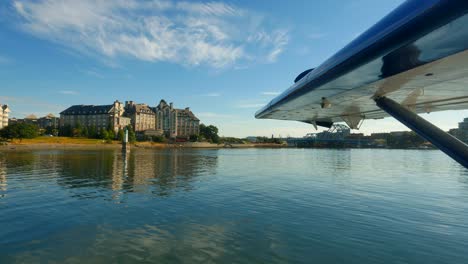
{"x":439,"y":138}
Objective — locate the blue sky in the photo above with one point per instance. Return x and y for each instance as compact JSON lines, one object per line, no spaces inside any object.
{"x":223,"y":59}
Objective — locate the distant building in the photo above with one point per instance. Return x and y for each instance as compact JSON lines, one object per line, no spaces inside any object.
{"x":4,"y":111}
{"x":187,"y":123}
{"x":163,"y":119}
{"x":462,"y":132}
{"x":97,"y":116}
{"x":141,"y":115}
{"x":30,"y":119}
{"x":48,"y":121}
{"x":12,"y":120}
{"x":176,"y":122}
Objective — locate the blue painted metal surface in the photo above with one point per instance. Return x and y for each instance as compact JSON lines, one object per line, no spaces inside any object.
{"x":398,"y":41}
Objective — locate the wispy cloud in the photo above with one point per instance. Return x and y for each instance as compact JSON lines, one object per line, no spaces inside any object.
{"x":263,"y":39}
{"x":189,"y":33}
{"x":68,"y":92}
{"x":212,"y":94}
{"x":92,"y":72}
{"x":250,"y":105}
{"x":270,"y":93}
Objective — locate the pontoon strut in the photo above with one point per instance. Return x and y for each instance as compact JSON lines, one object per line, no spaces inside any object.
{"x":439,"y":138}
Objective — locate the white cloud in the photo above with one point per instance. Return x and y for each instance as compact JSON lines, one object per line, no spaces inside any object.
{"x":188,"y":33}
{"x":270,"y":93}
{"x":212,"y":8}
{"x":212,"y":94}
{"x":68,"y":92}
{"x":280,"y":37}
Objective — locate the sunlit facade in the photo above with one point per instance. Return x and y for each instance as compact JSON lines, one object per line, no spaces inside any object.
{"x":176,"y":122}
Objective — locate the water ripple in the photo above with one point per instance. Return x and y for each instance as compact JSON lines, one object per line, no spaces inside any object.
{"x":235,"y":206}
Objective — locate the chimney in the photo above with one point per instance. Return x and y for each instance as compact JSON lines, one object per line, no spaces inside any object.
{"x":170,"y":105}
{"x":187,"y":109}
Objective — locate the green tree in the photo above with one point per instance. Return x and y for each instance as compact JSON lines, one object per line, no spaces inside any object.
{"x":19,"y":131}
{"x":110,"y":132}
{"x":65,"y":131}
{"x":120,"y":135}
{"x":77,"y":130}
{"x":194,"y":138}
{"x":158,"y":139}
{"x":103,"y":134}
{"x":231,"y":140}
{"x":85,"y":132}
{"x":92,"y":132}
{"x":404,"y":140}
{"x":49,"y":130}
{"x":210,"y":133}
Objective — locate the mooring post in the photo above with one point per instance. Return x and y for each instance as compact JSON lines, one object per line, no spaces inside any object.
{"x":125,"y":145}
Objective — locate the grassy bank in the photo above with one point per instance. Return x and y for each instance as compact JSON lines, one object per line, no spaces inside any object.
{"x":61,"y":140}
{"x":68,"y":142}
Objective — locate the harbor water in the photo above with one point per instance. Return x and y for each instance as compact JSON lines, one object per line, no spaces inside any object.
{"x":232,"y":206}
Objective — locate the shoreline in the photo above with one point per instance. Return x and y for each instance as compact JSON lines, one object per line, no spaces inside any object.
{"x":140,"y":145}
{"x":114,"y":146}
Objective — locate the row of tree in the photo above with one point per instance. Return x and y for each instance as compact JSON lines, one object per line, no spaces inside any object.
{"x":23,"y":130}
{"x":404,"y":140}
{"x":107,"y":134}
{"x":19,"y":131}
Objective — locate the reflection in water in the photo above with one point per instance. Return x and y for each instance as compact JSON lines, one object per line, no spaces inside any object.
{"x":3,"y":178}
{"x":159,"y":172}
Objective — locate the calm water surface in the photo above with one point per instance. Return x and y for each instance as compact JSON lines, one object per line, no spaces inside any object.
{"x":233,"y":206}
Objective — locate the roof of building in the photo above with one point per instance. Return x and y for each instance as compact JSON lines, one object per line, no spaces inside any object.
{"x":188,"y":113}
{"x":87,"y":109}
{"x":162,"y":104}
{"x":140,"y":108}
{"x":31,"y":116}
